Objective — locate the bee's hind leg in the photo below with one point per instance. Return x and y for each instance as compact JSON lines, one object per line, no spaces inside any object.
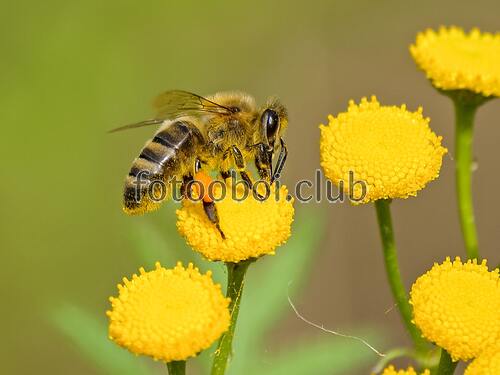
{"x":188,"y":179}
{"x":211,"y":212}
{"x":208,"y":206}
{"x":208,"y":203}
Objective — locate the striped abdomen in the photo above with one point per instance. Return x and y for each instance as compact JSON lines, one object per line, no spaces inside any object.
{"x":164,"y":157}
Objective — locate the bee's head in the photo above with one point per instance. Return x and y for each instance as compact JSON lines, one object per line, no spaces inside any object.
{"x":273,"y":121}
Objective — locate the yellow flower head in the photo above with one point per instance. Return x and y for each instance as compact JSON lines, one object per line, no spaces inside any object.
{"x":410,"y":371}
{"x":252,"y":228}
{"x":168,"y":314}
{"x":457,"y":306}
{"x":454,"y":60}
{"x":488,"y":362}
{"x":392,"y":150}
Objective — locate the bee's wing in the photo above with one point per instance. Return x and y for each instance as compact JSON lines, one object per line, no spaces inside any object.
{"x":176,"y":103}
{"x":137,"y":125}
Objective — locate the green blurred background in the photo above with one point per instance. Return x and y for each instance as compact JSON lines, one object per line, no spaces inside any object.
{"x":71,"y":70}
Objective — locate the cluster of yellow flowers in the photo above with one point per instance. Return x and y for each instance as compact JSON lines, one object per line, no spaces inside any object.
{"x":173,"y":314}
{"x":454,"y":60}
{"x":487,"y":363}
{"x":390,"y":148}
{"x":154,"y":313}
{"x":252,"y":227}
{"x":457,"y":306}
{"x":391,"y":370}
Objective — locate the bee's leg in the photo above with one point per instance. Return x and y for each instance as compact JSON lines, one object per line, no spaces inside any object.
{"x":208,"y":205}
{"x":225,"y":174}
{"x":188,"y":178}
{"x":211,"y":212}
{"x":281,"y":161}
{"x":245,"y":177}
{"x":263,"y":161}
{"x":185,"y":181}
{"x":240,"y":165}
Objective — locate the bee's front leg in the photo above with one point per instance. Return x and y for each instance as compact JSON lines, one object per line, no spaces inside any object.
{"x":263,"y":161}
{"x":281,"y":161}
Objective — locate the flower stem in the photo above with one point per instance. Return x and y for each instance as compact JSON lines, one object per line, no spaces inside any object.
{"x":235,"y":282}
{"x":392,"y":268}
{"x":464,"y":123}
{"x":176,"y":367}
{"x":446,"y":365}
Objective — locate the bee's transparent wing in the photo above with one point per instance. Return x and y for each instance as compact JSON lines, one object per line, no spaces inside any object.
{"x":137,"y":125}
{"x":176,"y":103}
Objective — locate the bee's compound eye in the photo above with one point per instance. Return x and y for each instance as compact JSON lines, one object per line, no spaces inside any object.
{"x":270,"y":120}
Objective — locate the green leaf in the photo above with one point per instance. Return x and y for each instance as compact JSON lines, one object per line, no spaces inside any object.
{"x":151,"y":246}
{"x":391,"y":356}
{"x":428,"y":359}
{"x":89,"y":334}
{"x":329,"y":355}
{"x":267,"y":287}
{"x":168,"y":247}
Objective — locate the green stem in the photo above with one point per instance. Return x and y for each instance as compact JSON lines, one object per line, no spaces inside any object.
{"x":393,"y":274}
{"x":446,"y":365}
{"x":235,"y":282}
{"x":176,"y":367}
{"x":464,"y":121}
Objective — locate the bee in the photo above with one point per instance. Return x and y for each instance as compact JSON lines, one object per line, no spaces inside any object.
{"x":219,"y":133}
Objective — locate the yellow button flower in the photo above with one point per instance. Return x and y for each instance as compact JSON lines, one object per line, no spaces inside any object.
{"x":457,"y":306}
{"x":488,"y":362}
{"x":392,"y":150}
{"x":410,"y":371}
{"x":454,"y":60}
{"x":168,"y":314}
{"x":252,"y":228}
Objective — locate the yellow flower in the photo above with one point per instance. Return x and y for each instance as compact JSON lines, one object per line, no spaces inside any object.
{"x":252,"y":228}
{"x":390,"y":148}
{"x":410,"y":371}
{"x":488,"y":362}
{"x":168,"y":314}
{"x":454,"y":60}
{"x":457,"y":306}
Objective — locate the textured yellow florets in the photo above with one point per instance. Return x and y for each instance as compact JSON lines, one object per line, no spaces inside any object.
{"x":454,"y":60}
{"x":457,"y":306}
{"x":410,"y":371}
{"x":488,"y":362}
{"x":389,"y":148}
{"x":252,"y":228}
{"x":168,"y":314}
